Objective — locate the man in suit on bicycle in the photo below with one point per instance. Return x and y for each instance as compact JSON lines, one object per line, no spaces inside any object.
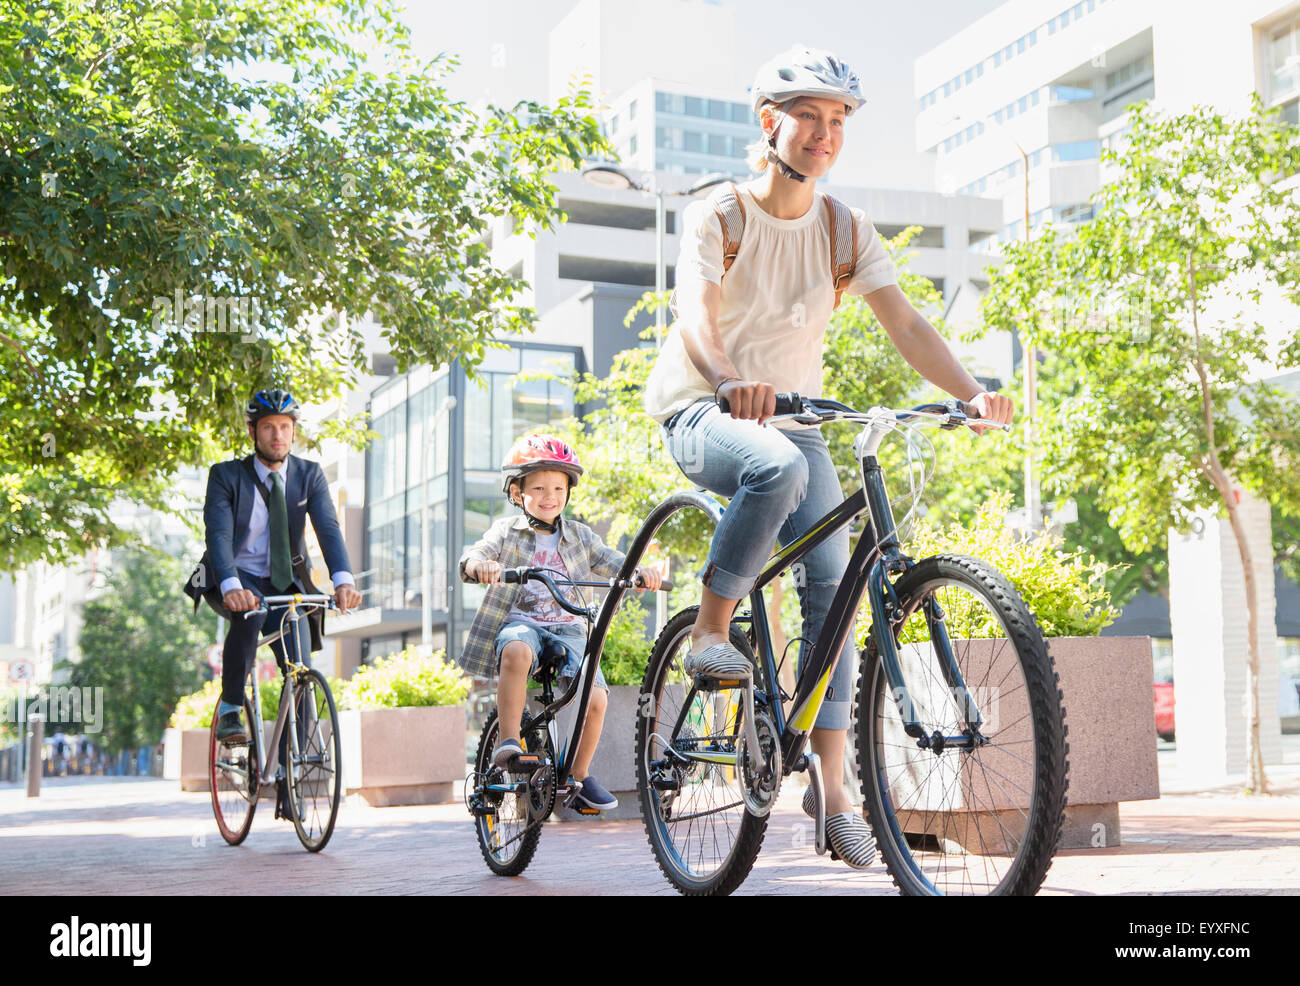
{"x":249,"y":535}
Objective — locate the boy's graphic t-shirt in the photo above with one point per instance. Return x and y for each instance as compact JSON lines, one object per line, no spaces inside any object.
{"x":534,"y":601}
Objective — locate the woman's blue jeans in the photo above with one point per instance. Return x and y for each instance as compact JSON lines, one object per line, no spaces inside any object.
{"x":780,"y":483}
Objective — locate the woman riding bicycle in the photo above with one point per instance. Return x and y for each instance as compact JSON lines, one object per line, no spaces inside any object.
{"x":759,"y":331}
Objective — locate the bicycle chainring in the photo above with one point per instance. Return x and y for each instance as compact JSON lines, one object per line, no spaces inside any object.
{"x":760,"y":777}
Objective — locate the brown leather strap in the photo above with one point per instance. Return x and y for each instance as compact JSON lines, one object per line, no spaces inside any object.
{"x":843,"y":245}
{"x":731,"y":217}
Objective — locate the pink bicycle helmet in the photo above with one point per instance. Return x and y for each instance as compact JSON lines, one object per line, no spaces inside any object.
{"x":532,"y":453}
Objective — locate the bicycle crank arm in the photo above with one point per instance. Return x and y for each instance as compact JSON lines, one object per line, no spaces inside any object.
{"x":819,"y":799}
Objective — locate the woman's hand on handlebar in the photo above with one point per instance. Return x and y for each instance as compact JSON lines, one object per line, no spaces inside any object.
{"x":486,"y":572}
{"x":750,"y":400}
{"x":992,"y":407}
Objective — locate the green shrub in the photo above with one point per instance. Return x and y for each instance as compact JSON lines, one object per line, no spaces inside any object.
{"x":194,"y":711}
{"x":1065,"y":590}
{"x":403,"y":680}
{"x":627,"y":645}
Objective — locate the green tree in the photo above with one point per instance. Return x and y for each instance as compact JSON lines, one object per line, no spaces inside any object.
{"x":1154,"y":305}
{"x":141,"y":646}
{"x":286,"y":169}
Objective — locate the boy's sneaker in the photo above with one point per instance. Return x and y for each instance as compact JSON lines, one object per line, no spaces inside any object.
{"x":595,"y":796}
{"x":506,"y":750}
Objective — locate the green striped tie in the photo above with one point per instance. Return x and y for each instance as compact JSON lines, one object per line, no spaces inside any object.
{"x":281,"y":560}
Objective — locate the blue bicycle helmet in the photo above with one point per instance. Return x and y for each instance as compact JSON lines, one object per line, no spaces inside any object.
{"x":267,"y":402}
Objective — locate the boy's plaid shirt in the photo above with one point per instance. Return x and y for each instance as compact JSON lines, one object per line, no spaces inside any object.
{"x":510,"y":541}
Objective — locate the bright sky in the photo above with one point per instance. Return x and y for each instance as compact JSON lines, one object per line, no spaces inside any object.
{"x":502,"y":49}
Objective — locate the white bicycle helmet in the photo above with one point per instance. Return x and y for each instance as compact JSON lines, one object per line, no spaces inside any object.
{"x":803,"y":71}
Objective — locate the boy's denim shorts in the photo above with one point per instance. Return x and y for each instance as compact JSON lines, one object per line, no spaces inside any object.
{"x":572,"y":635}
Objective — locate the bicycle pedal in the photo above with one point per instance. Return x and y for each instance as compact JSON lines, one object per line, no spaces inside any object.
{"x":713,"y":683}
{"x":522,"y":763}
{"x":586,"y":811}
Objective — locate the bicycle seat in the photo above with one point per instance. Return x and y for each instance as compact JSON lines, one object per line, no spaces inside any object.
{"x":552,"y":658}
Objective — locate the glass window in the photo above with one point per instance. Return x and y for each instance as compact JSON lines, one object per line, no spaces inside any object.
{"x":740,"y":113}
{"x":694,"y":106}
{"x":1077,"y":11}
{"x":718,"y":109}
{"x":663,"y":102}
{"x":1051,"y":26}
{"x":1022,"y":104}
{"x":947,"y":88}
{"x":970,"y":75}
{"x":979,"y":70}
{"x":631,"y":110}
{"x":1033,"y":98}
{"x":717,"y":145}
{"x":997,"y":59}
{"x":1033,"y":37}
{"x":631,"y":145}
{"x":613,"y":124}
{"x":1078,"y":150}
{"x":478,"y":426}
{"x":1020,"y":45}
{"x":692,"y":141}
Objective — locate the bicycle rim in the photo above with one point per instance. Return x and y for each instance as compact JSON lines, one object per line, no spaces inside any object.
{"x":232,"y":783}
{"x":694,"y":813}
{"x":965,"y":821}
{"x":314,"y":777}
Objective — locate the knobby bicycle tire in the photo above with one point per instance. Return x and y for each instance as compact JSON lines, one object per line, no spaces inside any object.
{"x":315,"y":781}
{"x":981,"y":821}
{"x":513,"y":857}
{"x":233,"y":807}
{"x":680,"y":852}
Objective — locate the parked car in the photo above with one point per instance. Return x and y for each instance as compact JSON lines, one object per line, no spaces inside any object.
{"x":1164,"y":695}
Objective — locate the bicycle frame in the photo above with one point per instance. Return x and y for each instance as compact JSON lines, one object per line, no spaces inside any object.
{"x":288,"y":713}
{"x":877,"y":555}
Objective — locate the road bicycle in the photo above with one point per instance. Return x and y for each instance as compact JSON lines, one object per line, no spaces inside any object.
{"x":510,"y":804}
{"x":961,"y":743}
{"x":312,"y":775}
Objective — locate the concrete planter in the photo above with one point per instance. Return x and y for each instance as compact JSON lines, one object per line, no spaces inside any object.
{"x":185,"y":757}
{"x":407,"y":756}
{"x":1110,"y":715}
{"x":614,"y":764}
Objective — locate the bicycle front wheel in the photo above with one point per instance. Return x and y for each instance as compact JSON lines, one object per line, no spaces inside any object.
{"x":233,"y":781}
{"x":971,"y":801}
{"x":694,"y":811}
{"x":313,"y":775}
{"x":509,"y":807}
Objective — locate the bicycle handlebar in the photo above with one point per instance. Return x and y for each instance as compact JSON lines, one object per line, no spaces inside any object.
{"x":814,"y":410}
{"x":525,"y":574}
{"x":302,"y":599}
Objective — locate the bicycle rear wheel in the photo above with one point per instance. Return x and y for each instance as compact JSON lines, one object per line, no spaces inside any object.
{"x":694,"y":812}
{"x":507,"y":822}
{"x":232,"y":781}
{"x":954,"y":815}
{"x":313,"y":775}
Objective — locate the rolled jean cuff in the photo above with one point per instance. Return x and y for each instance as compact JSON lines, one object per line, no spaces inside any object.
{"x":726,"y":584}
{"x":834,"y":715}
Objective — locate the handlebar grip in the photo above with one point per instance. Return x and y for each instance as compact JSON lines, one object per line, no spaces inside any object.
{"x":514,"y":575}
{"x":665,"y":585}
{"x":790,"y":403}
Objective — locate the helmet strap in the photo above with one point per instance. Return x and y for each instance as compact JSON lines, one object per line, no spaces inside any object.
{"x":784,"y":169}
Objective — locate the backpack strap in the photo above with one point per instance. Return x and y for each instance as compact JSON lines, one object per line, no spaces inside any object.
{"x":731,"y":216}
{"x":844,"y":245}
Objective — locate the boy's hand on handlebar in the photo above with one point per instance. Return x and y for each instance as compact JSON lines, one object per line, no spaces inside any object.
{"x":240,"y":600}
{"x":486,"y":572}
{"x":994,"y":408}
{"x":750,"y":400}
{"x":346,"y":597}
{"x":648,"y":578}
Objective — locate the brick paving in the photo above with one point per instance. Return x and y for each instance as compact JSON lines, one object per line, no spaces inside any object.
{"x":96,"y":836}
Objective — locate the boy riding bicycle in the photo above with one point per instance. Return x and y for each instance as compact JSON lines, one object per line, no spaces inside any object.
{"x":515,"y":622}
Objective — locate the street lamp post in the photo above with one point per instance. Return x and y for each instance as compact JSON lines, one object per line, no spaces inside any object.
{"x":426,"y":538}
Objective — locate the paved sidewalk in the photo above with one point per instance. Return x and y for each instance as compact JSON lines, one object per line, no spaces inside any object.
{"x":95,"y":836}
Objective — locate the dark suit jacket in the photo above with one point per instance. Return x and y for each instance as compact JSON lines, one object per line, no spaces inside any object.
{"x":229,"y":506}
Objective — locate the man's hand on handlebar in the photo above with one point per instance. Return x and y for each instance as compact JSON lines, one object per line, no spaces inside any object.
{"x":994,"y":408}
{"x":346,"y":597}
{"x":486,"y":572}
{"x":749,"y":399}
{"x":240,"y":600}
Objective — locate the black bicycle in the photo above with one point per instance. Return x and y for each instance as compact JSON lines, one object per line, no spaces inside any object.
{"x":960,"y":720}
{"x":510,"y":803}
